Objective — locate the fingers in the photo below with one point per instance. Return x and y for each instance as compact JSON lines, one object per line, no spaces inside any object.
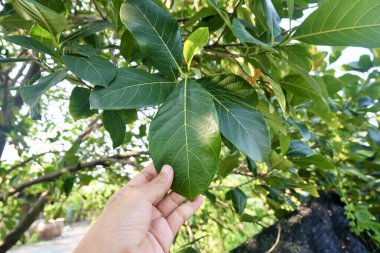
{"x":156,"y":189}
{"x":170,"y":203}
{"x":145,"y":176}
{"x":182,"y":213}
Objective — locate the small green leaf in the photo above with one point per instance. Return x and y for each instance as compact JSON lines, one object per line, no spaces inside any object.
{"x":194,"y":43}
{"x":279,"y":93}
{"x":290,"y":5}
{"x":79,"y":104}
{"x":284,"y":143}
{"x":228,"y":164}
{"x":88,"y":29}
{"x":96,"y":69}
{"x":128,"y":115}
{"x":115,"y":126}
{"x":31,"y":94}
{"x":300,"y":86}
{"x":223,"y":14}
{"x":156,"y":32}
{"x":127,"y":46}
{"x":319,"y":161}
{"x":42,"y":35}
{"x":311,"y":189}
{"x":30,"y":43}
{"x":185,"y":134}
{"x":83,"y":50}
{"x":336,"y":23}
{"x":239,"y":200}
{"x":299,"y":149}
{"x":279,"y":163}
{"x":267,"y":15}
{"x":50,"y":20}
{"x":245,"y":37}
{"x":131,"y":89}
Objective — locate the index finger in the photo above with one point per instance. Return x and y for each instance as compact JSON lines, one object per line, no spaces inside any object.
{"x":145,"y":176}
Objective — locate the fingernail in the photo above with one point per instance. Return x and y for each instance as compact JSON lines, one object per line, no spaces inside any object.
{"x":166,"y":169}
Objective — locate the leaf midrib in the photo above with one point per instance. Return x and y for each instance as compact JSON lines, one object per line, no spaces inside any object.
{"x":336,"y":30}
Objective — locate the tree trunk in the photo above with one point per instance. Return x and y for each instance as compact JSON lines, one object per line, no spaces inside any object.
{"x":319,"y":226}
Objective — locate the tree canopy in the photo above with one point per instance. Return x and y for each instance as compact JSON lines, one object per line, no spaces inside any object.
{"x":248,"y":100}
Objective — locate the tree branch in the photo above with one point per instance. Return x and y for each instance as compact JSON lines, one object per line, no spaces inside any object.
{"x":12,"y":238}
{"x":68,"y":170}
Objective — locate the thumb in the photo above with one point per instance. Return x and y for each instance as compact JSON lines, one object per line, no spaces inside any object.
{"x":156,"y":189}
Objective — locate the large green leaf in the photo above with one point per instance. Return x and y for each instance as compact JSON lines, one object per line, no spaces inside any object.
{"x":338,"y":23}
{"x":50,"y":20}
{"x":96,"y":69}
{"x":268,"y":17}
{"x":131,"y":88}
{"x":30,"y":43}
{"x":240,"y":123}
{"x":156,"y":32}
{"x":88,"y":30}
{"x":31,"y":94}
{"x":185,"y":134}
{"x":245,"y":37}
{"x":115,"y":126}
{"x":79,"y":103}
{"x":194,"y":43}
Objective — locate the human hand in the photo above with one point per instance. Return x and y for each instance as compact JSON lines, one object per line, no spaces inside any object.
{"x":141,"y":217}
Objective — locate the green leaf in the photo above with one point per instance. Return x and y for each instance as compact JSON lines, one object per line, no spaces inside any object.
{"x":279,"y":163}
{"x":88,"y":29}
{"x":31,"y":94}
{"x":79,"y":104}
{"x":268,"y":17}
{"x":336,"y":23}
{"x":131,"y":89}
{"x":228,"y":164}
{"x":240,"y":123}
{"x":127,"y":46}
{"x":298,"y":55}
{"x":30,"y":43}
{"x":128,"y":115}
{"x":319,"y":161}
{"x":299,"y":149}
{"x":311,"y":189}
{"x":300,"y":86}
{"x":223,"y":14}
{"x":50,"y":20}
{"x":96,"y":69}
{"x":333,"y":84}
{"x":279,"y":93}
{"x":245,"y":37}
{"x":194,"y":44}
{"x":42,"y":35}
{"x":239,"y":200}
{"x":115,"y":6}
{"x":290,"y":6}
{"x":185,"y":134}
{"x":115,"y":126}
{"x":284,"y":143}
{"x":232,"y":86}
{"x":84,"y":50}
{"x":156,"y":32}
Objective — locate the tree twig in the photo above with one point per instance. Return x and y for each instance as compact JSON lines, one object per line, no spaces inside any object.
{"x":69,"y":170}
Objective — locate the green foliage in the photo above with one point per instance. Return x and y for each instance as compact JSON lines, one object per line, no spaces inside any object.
{"x":250,"y":113}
